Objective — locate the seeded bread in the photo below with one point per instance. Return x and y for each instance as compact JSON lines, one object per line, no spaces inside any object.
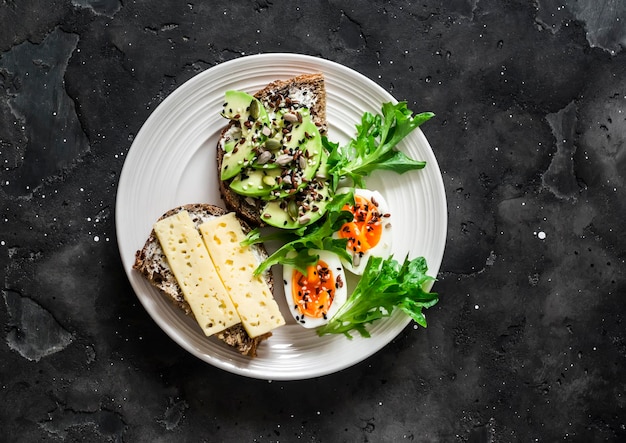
{"x":307,"y":90}
{"x":151,"y":262}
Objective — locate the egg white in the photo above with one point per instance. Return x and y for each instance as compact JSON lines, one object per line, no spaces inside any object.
{"x":383,"y":247}
{"x":341,"y":290}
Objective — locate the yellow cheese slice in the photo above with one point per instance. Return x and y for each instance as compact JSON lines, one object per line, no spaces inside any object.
{"x":195,"y":273}
{"x":235,"y":264}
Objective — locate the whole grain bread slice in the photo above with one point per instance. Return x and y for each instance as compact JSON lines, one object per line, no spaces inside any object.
{"x":151,"y":262}
{"x":306,"y":90}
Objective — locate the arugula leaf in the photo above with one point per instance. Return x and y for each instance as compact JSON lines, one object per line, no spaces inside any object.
{"x":384,"y":286}
{"x":301,"y":260}
{"x":374,"y":145}
{"x":255,"y":236}
{"x":316,"y":236}
{"x":396,"y":161}
{"x":404,"y":123}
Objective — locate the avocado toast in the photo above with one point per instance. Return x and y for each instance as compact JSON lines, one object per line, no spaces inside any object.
{"x":269,"y":154}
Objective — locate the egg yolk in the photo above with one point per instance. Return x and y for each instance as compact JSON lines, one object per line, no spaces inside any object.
{"x":313,"y":293}
{"x":365,"y":230}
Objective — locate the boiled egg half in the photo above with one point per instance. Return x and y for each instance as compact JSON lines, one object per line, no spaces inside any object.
{"x":314,"y":297}
{"x":369,"y":233}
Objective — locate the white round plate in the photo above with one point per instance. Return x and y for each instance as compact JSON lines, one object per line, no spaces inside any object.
{"x":172,"y":162}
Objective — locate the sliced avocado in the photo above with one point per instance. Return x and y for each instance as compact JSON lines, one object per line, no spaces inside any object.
{"x":302,"y":155}
{"x":236,"y":157}
{"x":281,"y":166}
{"x":241,"y":106}
{"x":286,"y":213}
{"x":255,"y":182}
{"x":322,"y":172}
{"x":252,"y":118}
{"x":306,"y":138}
{"x":315,"y":169}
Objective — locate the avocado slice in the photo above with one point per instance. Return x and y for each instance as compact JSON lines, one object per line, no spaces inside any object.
{"x":286,"y":213}
{"x":251,"y":117}
{"x":241,"y":106}
{"x":306,"y":137}
{"x":302,"y":153}
{"x":237,"y":156}
{"x":255,"y":182}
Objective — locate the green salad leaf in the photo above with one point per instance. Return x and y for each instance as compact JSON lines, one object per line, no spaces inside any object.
{"x":385,"y":285}
{"x":373,"y":147}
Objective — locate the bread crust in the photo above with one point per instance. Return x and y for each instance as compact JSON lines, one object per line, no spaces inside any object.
{"x":277,"y":94}
{"x":151,"y":262}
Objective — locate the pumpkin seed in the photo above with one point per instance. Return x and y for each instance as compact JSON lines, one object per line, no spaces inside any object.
{"x":272,"y":144}
{"x":292,"y":209}
{"x":254,"y":109}
{"x":269,"y":180}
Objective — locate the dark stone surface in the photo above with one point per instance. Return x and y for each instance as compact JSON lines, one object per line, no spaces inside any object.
{"x":528,"y":340}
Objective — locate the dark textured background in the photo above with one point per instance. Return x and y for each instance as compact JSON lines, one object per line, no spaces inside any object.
{"x":528,"y":340}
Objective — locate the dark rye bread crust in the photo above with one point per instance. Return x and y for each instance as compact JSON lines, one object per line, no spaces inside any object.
{"x":151,"y":262}
{"x":279,"y":93}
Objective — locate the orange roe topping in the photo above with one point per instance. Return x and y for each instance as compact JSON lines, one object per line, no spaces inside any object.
{"x":313,"y":294}
{"x":363,"y":233}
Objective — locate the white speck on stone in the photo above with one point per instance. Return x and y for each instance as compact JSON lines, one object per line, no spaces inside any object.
{"x":541,"y":235}
{"x":476,"y":306}
{"x":96,"y":238}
